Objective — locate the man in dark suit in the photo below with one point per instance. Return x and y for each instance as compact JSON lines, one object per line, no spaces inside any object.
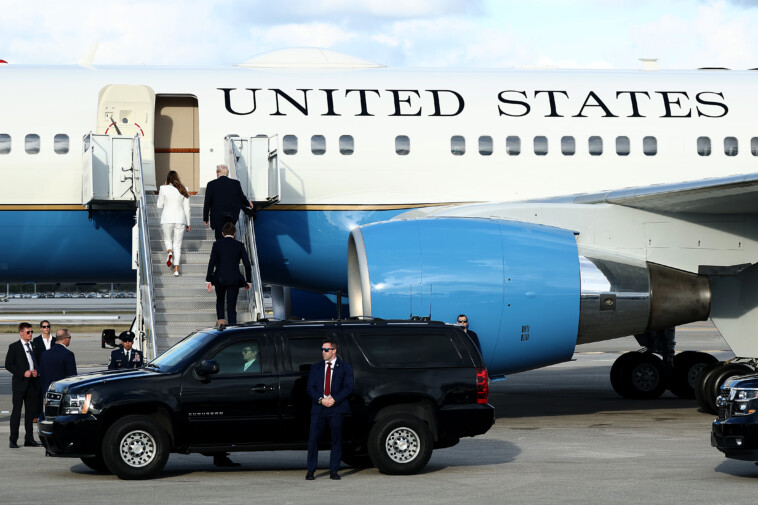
{"x":125,"y":356}
{"x":223,"y":201}
{"x":20,"y":362}
{"x":224,"y":273}
{"x":250,"y":354}
{"x":330,"y":384}
{"x":58,"y":362}
{"x":463,"y":323}
{"x":40,"y":344}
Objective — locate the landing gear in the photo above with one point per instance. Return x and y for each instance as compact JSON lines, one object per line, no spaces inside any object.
{"x":639,"y":375}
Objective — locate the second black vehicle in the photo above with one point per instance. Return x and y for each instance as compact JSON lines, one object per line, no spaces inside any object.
{"x":418,"y":386}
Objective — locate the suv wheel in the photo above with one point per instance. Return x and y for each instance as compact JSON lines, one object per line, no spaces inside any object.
{"x":400,"y":445}
{"x":135,"y":447}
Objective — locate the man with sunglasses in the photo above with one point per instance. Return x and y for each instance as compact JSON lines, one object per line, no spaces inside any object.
{"x":22,"y":364}
{"x":463,"y":323}
{"x":330,"y":384}
{"x":40,"y":344}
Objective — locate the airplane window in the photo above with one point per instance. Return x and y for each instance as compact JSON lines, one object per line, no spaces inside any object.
{"x":485,"y":145}
{"x":754,"y":146}
{"x":568,"y":146}
{"x":346,"y":144}
{"x":596,"y":145}
{"x":513,"y":146}
{"x":457,"y":145}
{"x":622,"y":146}
{"x":730,"y":146}
{"x":60,"y":143}
{"x":402,"y":145}
{"x":704,"y":146}
{"x":5,"y":143}
{"x":540,"y":145}
{"x":31,"y":145}
{"x":318,"y":144}
{"x":650,"y":146}
{"x":289,"y":144}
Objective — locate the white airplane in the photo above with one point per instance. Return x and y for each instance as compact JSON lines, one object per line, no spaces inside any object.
{"x":554,"y":208}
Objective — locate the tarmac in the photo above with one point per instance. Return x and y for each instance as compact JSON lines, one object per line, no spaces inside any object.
{"x":562,"y":435}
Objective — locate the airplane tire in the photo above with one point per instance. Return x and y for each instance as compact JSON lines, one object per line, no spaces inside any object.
{"x":687,"y":366}
{"x":719,"y":377}
{"x":639,"y":375}
{"x":701,"y":383}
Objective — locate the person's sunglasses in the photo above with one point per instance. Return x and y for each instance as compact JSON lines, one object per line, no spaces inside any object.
{"x":327,"y":349}
{"x":463,"y":321}
{"x":48,"y":326}
{"x":29,"y":331}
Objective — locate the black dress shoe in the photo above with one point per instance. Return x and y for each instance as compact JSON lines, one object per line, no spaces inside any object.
{"x":13,"y":445}
{"x":309,"y":476}
{"x":224,"y":462}
{"x":335,"y":476}
{"x":33,"y":443}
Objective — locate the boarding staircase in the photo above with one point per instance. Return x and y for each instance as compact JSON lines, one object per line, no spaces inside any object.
{"x":168,"y":307}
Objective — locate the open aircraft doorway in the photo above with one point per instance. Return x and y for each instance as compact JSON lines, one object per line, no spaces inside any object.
{"x":177,"y":139}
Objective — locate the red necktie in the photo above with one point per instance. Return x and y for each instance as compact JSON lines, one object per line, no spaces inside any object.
{"x":328,"y":380}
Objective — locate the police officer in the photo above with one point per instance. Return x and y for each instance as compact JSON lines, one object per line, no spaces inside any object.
{"x":125,"y":356}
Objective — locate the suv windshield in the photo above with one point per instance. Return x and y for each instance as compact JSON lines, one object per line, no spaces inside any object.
{"x":177,"y":356}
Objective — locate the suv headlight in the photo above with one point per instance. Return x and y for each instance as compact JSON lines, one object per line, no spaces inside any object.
{"x":76,"y":404}
{"x":743,"y":401}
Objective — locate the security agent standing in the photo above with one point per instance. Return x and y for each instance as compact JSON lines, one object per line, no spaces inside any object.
{"x":125,"y":356}
{"x":59,"y":362}
{"x":22,"y":364}
{"x":330,"y":384}
{"x":463,"y":323}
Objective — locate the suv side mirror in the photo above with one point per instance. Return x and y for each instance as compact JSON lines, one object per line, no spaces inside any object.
{"x":108,"y":339}
{"x":207,"y":367}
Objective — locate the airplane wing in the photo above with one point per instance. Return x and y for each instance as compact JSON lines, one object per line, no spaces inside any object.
{"x":726,"y":195}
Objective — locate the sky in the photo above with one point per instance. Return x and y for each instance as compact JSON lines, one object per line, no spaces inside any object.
{"x":681,"y":34}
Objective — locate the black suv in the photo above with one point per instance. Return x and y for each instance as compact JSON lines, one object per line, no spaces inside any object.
{"x":735,"y":430}
{"x":418,"y":386}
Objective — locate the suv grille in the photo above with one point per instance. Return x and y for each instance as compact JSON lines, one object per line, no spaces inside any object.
{"x":52,"y":404}
{"x":724,"y":405}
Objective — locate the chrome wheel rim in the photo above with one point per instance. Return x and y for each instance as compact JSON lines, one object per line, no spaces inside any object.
{"x":402,"y":445}
{"x":138,"y":448}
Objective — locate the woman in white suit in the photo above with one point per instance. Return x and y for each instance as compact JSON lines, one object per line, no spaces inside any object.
{"x":173,"y":198}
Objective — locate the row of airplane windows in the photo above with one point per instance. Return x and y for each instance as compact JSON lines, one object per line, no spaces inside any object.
{"x":486,"y":145}
{"x":513,"y":147}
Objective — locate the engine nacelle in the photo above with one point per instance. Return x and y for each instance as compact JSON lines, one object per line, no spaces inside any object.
{"x":528,"y":292}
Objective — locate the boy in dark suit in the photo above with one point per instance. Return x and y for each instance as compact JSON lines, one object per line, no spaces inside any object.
{"x":125,"y":356}
{"x":20,"y":362}
{"x":330,"y":384}
{"x":223,"y":272}
{"x":223,"y":201}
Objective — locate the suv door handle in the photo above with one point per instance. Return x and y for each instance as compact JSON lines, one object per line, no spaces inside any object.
{"x":262,"y":388}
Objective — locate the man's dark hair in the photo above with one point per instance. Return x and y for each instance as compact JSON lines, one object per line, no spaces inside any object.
{"x":228,"y":229}
{"x":462,"y":315}
{"x":43,"y":322}
{"x":331,"y":343}
{"x":24,"y":326}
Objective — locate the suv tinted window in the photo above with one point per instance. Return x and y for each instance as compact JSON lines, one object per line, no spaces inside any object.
{"x":232,"y":358}
{"x":397,"y":349}
{"x":304,"y":350}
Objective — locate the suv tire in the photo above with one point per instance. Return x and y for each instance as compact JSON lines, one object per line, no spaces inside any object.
{"x":400,"y":444}
{"x":135,"y":447}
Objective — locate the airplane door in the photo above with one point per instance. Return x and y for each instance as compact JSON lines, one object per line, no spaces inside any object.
{"x":255,"y":163}
{"x":177,"y":139}
{"x":125,"y":109}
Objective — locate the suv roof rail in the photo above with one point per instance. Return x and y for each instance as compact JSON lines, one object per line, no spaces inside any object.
{"x":364,"y":318}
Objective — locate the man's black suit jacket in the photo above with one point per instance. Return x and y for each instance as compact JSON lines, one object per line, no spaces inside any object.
{"x":223,"y":201}
{"x":57,"y":363}
{"x":223,"y":267}
{"x":17,"y":364}
{"x":38,"y":347}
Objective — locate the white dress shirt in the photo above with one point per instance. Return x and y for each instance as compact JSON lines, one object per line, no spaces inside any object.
{"x":176,"y":208}
{"x":330,"y":364}
{"x":27,"y":352}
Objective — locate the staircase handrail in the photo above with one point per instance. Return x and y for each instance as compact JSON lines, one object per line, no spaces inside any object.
{"x":146,"y":308}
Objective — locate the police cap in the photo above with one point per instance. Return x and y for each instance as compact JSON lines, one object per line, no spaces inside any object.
{"x":126,"y":336}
